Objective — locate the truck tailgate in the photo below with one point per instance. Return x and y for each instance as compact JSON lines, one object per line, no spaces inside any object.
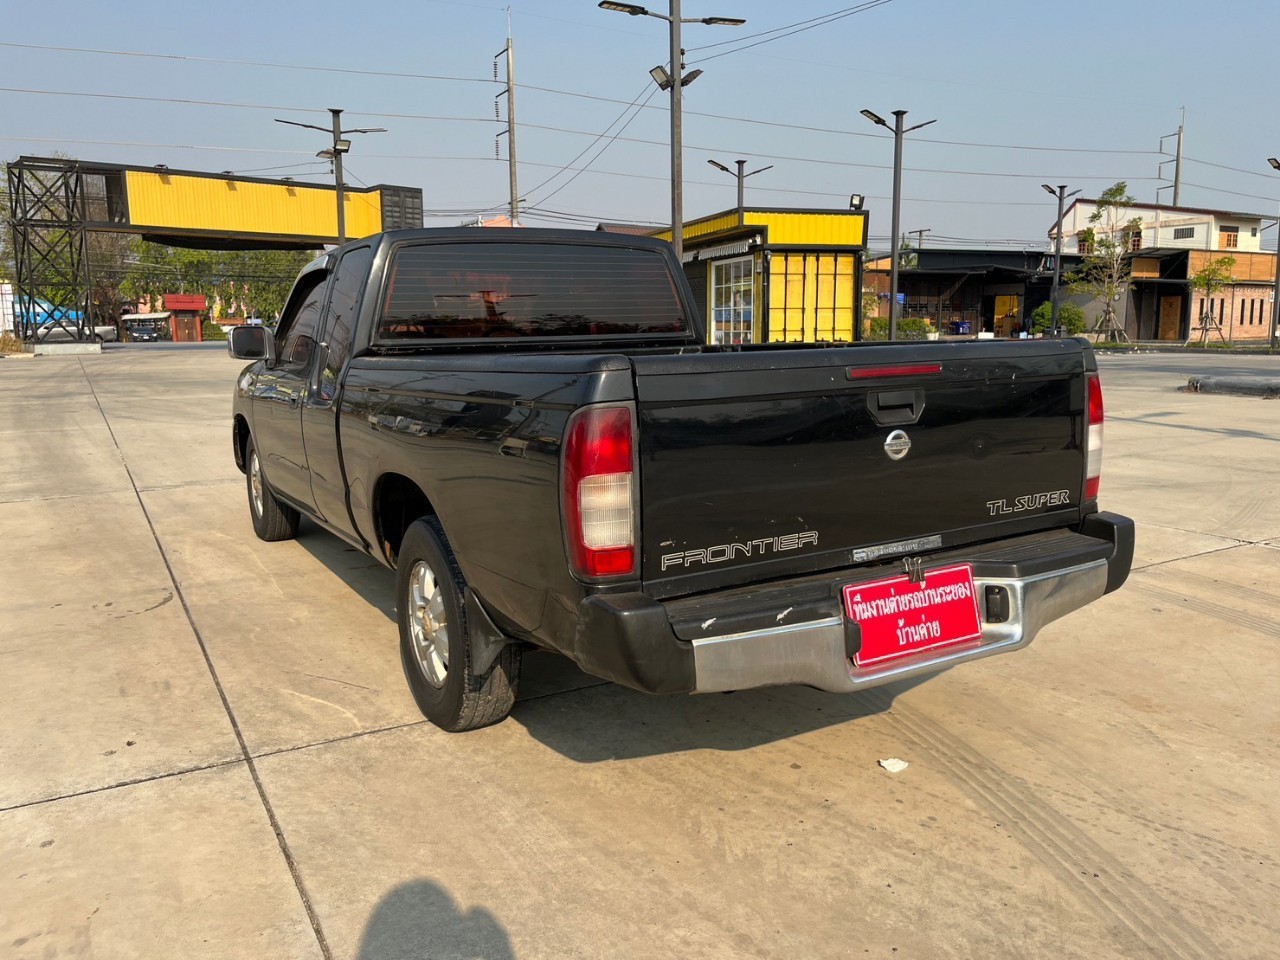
{"x":769,"y":463}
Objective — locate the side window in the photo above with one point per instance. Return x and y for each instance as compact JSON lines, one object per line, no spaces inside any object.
{"x":344,"y":302}
{"x":296,"y":335}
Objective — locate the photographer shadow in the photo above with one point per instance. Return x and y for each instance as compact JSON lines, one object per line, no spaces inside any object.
{"x":420,"y":921}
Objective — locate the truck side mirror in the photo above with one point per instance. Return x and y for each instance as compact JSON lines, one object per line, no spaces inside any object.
{"x":251,"y":343}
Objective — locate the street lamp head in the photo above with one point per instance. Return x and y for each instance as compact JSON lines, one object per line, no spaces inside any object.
{"x":661,"y":77}
{"x":720,"y":166}
{"x":325,"y":154}
{"x":723,"y":21}
{"x":689,"y":77}
{"x":1049,"y":189}
{"x":342,"y":146}
{"x":367,"y":130}
{"x":1274,"y":162}
{"x":874,"y":118}
{"x":633,"y":9}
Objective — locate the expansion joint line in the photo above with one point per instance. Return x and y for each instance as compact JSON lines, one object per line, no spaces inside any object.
{"x":285,"y":851}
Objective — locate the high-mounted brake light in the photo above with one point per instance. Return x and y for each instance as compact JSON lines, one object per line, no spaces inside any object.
{"x":1093,"y":441}
{"x":598,"y":492}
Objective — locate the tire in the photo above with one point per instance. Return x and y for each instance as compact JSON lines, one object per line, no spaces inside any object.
{"x":272,"y":520}
{"x":435,"y":644}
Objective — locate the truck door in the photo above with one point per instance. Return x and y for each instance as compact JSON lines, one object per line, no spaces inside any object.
{"x":320,"y":407}
{"x":279,"y":391}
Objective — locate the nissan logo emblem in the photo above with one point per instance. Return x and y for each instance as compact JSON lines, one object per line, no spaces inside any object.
{"x":897,"y":444}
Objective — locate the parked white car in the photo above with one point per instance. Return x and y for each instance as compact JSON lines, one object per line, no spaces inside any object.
{"x":52,"y":331}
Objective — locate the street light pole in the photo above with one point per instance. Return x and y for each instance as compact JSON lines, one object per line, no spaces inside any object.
{"x":741,"y":164}
{"x":894,"y":240}
{"x":337,"y":175}
{"x":674,"y":82}
{"x":1061,"y":194}
{"x":340,"y":146}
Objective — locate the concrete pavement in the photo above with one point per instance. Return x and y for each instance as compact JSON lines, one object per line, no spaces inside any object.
{"x":209,"y":751}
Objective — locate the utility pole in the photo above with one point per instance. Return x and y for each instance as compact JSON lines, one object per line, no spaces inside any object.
{"x":1177,"y":161}
{"x":509,"y":50}
{"x":1275,"y":292}
{"x":919,"y":234}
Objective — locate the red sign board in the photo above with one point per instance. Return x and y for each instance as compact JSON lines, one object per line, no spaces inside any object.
{"x":898,"y":618}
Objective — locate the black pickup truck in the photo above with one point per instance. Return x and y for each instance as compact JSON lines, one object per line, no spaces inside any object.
{"x":529,"y":427}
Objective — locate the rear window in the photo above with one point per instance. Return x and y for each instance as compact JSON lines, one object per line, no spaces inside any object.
{"x":468,"y":290}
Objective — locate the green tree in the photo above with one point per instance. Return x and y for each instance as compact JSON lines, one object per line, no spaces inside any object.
{"x":239,"y":283}
{"x":1070,"y":318}
{"x":1208,"y":280}
{"x":1104,"y":273}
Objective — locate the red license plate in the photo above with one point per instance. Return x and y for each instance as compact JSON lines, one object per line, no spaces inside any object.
{"x":898,"y":618}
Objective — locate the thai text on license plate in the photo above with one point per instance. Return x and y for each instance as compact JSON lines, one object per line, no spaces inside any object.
{"x":898,"y":618}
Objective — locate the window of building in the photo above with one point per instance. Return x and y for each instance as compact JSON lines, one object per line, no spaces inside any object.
{"x":1228,"y":238}
{"x":1183,"y":233}
{"x":813,"y":297}
{"x":733,"y":301}
{"x":1083,"y":246}
{"x":1253,"y":231}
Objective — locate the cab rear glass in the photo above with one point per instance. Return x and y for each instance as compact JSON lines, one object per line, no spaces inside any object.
{"x":465,"y":291}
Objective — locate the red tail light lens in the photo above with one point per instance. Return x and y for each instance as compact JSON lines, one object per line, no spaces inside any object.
{"x":598,"y":493}
{"x":1093,"y":440}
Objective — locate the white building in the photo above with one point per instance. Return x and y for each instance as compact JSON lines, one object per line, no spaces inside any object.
{"x":1169,"y":246}
{"x":1183,"y":228}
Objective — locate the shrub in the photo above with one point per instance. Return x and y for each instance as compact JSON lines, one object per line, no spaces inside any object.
{"x":909,"y":328}
{"x":211,"y":331}
{"x":1070,"y":318}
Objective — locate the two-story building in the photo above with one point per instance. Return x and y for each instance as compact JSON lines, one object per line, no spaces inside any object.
{"x":1170,"y":245}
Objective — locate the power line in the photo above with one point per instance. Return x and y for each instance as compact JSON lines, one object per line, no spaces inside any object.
{"x":1223,"y":166}
{"x":245,"y":63}
{"x":532,"y":87}
{"x":825,"y":18}
{"x":647,"y":88}
{"x":862,"y":8}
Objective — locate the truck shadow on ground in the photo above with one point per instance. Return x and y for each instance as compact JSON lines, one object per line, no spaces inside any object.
{"x":419,"y":920}
{"x":589,"y":720}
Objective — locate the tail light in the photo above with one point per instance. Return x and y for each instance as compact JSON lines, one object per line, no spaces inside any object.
{"x":1093,"y":441}
{"x":598,"y":493}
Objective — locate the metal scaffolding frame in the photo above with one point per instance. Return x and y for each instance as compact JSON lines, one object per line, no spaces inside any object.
{"x":48,"y":213}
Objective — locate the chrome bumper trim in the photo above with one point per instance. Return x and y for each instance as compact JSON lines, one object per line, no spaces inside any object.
{"x":813,"y":653}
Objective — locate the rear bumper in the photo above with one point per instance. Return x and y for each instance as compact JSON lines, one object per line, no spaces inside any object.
{"x":795,"y":632}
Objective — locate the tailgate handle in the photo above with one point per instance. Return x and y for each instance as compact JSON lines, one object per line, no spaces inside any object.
{"x":891,"y":408}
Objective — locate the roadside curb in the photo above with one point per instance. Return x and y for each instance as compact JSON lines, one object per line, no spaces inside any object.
{"x":1268,"y":389}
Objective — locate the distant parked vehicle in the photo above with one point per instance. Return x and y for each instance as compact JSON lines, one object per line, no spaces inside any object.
{"x":143,"y":334}
{"x":52,"y":330}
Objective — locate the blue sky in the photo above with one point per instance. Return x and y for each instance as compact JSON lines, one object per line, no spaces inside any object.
{"x":1094,"y":84}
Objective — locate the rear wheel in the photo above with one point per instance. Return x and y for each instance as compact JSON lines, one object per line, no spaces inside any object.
{"x":435,"y":643}
{"x":272,"y":520}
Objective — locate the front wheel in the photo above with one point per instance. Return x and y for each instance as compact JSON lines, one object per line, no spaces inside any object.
{"x":435,"y":643}
{"x":272,"y":520}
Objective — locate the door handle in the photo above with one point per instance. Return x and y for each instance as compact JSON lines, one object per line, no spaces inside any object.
{"x":892,"y":408}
